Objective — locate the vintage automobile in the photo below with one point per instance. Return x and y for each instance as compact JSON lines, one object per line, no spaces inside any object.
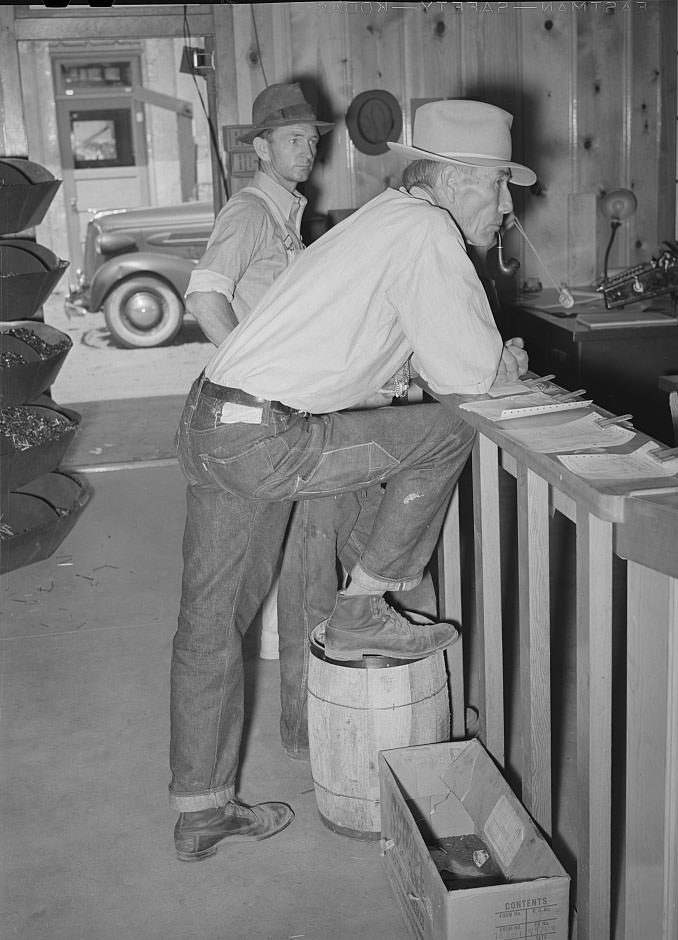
{"x":137,"y":263}
{"x":136,"y":266}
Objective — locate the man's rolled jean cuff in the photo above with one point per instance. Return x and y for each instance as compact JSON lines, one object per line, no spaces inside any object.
{"x":373,"y":583}
{"x":192,"y":804}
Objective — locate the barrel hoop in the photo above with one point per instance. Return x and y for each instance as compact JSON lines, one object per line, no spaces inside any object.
{"x":381,"y":708}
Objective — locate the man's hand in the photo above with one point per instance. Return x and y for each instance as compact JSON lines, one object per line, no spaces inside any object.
{"x":513,"y":362}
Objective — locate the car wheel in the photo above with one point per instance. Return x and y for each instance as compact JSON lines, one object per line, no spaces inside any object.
{"x":142,"y":312}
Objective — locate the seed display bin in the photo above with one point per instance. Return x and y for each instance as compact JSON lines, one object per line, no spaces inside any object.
{"x":36,"y":518}
{"x":26,"y":191}
{"x":28,"y":274}
{"x":31,"y":356}
{"x":39,"y":504}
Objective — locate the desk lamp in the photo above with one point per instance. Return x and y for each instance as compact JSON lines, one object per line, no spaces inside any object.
{"x":618,"y":205}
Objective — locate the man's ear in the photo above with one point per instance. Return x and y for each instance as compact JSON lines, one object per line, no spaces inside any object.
{"x":260,"y":145}
{"x":448,"y":178}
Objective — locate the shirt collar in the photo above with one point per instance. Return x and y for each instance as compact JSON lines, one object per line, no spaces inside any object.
{"x":286,"y":201}
{"x":418,"y":192}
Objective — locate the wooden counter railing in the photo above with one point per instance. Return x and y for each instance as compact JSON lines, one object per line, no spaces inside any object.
{"x":633,"y":895}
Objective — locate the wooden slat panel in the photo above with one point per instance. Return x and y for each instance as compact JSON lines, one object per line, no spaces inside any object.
{"x":13,"y":142}
{"x":320,"y":48}
{"x":226,"y":73}
{"x":652,"y":755}
{"x":594,"y":724}
{"x":488,"y":595}
{"x":644,"y":117}
{"x":433,"y":60}
{"x":535,"y":645}
{"x":602,"y":139}
{"x":667,"y":223}
{"x":546,"y":61}
{"x":250,"y":79}
{"x":375,"y":62}
{"x":449,"y":602}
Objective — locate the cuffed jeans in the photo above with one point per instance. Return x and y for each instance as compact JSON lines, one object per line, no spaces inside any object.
{"x":243,"y":480}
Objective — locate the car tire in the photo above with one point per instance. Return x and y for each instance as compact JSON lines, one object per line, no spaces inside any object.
{"x":143,"y":311}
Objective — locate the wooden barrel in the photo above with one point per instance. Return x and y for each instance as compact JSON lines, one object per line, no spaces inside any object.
{"x":355,"y":711}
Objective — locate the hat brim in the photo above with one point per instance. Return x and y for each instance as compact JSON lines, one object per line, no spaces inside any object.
{"x":248,"y":138}
{"x":520,"y":175}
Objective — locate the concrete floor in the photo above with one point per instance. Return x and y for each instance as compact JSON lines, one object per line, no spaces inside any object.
{"x":87,"y":832}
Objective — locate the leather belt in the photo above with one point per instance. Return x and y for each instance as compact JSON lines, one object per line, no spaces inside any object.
{"x":239,"y":397}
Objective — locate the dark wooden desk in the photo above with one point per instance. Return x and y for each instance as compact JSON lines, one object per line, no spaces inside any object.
{"x":616,"y":355}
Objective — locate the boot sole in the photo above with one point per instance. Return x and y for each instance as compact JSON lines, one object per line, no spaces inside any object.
{"x":202,"y":854}
{"x":348,"y":655}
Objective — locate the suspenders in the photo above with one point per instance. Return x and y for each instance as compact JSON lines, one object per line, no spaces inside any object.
{"x":292,"y":245}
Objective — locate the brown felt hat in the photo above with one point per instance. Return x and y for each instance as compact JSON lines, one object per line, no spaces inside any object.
{"x":280,"y":106}
{"x":373,"y":118}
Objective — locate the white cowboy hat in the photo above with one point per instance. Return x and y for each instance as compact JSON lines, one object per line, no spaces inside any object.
{"x":469,"y":133}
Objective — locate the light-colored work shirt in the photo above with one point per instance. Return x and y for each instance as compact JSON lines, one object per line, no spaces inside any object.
{"x":392,"y":281}
{"x":247,"y":250}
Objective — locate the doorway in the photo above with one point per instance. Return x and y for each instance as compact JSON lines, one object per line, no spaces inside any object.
{"x":102,"y":137}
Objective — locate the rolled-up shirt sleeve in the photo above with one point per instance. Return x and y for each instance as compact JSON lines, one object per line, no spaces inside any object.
{"x":229,"y":251}
{"x":202,"y":281}
{"x":444,"y":311}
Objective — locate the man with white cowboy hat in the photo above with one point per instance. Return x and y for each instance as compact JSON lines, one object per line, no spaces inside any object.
{"x":270,"y":423}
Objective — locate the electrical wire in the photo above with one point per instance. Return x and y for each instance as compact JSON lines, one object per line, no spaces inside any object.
{"x":210,"y":125}
{"x":614,"y":225}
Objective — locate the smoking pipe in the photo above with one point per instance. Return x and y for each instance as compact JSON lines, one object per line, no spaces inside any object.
{"x":507,"y":266}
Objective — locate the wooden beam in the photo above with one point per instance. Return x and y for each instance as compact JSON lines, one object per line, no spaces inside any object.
{"x":98,"y":23}
{"x":13,"y":141}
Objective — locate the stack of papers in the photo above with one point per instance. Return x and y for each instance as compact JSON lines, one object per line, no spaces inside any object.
{"x":582,"y":433}
{"x":638,"y":465}
{"x":522,"y":406}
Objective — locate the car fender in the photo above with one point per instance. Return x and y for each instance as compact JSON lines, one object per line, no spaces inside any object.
{"x":171,"y":268}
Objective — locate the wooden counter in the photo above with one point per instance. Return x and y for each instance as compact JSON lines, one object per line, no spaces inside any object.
{"x":632,"y":896}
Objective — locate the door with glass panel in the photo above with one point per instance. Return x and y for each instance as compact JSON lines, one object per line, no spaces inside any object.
{"x":102,"y":138}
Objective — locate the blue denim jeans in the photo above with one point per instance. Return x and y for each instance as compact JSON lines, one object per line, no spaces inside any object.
{"x":325,"y":540}
{"x":243,"y":480}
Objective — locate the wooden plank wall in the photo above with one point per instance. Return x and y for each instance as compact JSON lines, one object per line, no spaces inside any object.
{"x":592,"y":87}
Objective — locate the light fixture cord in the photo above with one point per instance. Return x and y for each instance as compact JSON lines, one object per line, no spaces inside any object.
{"x":614,"y":225}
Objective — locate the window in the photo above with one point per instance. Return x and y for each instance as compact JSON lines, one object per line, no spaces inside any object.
{"x":101,"y":138}
{"x":94,"y":75}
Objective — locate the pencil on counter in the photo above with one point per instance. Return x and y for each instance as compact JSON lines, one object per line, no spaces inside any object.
{"x":616,"y":419}
{"x":539,"y":379}
{"x":662,"y":454}
{"x":570,"y":396}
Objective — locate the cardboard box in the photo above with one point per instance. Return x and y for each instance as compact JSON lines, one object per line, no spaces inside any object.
{"x":431,"y":793}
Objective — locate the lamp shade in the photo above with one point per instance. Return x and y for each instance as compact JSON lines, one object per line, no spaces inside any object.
{"x":619,"y":204}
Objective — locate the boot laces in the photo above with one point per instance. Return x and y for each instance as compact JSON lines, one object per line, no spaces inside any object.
{"x":390,"y":615}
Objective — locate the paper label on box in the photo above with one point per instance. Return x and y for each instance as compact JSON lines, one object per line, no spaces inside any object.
{"x":504,"y":832}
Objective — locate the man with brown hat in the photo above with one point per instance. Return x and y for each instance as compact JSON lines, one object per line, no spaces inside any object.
{"x":269,"y":423}
{"x":258,"y":232}
{"x":255,"y":237}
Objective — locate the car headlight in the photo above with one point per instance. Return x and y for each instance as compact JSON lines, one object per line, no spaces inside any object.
{"x":109,"y":243}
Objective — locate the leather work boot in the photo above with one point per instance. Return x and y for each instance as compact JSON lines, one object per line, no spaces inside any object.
{"x":196,"y":835}
{"x":365,"y":625}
